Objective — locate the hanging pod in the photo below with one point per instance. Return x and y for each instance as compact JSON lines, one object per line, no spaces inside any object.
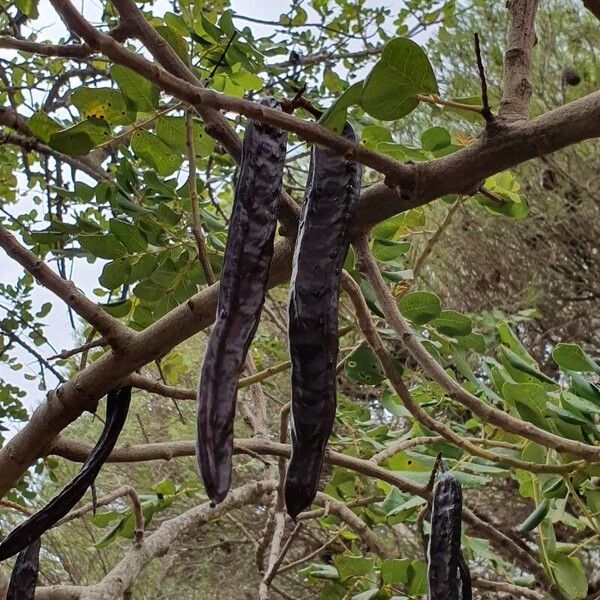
{"x":242,"y":288}
{"x":26,"y":533}
{"x":447,"y":571}
{"x":25,"y":573}
{"x":330,"y":202}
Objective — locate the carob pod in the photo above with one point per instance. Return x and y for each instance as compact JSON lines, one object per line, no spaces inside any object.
{"x":117,"y":406}
{"x":330,"y":202}
{"x":242,"y":289}
{"x":465,"y":591}
{"x":447,"y":572}
{"x":25,"y":573}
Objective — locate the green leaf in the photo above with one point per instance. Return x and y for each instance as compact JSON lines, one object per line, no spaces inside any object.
{"x":118,"y":309}
{"x":335,"y":117}
{"x":417,"y":578}
{"x":452,"y":323}
{"x":102,"y":103}
{"x":172,"y":131}
{"x":102,"y":246}
{"x":155,"y":152}
{"x":43,"y":126}
{"x":535,"y":518}
{"x":513,"y":361}
{"x":115,"y":273}
{"x":320,"y":571}
{"x":81,"y":138}
{"x":402,"y":72}
{"x":363,"y":367}
{"x":584,"y":389}
{"x":129,"y":235}
{"x":570,"y":576}
{"x":140,"y":94}
{"x":44,"y":310}
{"x":509,"y":338}
{"x":395,"y":570}
{"x":176,"y":41}
{"x":529,"y":399}
{"x":573,"y":358}
{"x":389,"y":250}
{"x":144,"y":267}
{"x":352,"y":566}
{"x":420,"y":307}
{"x":165,"y":214}
{"x":435,"y":138}
{"x":149,"y":291}
{"x":29,"y":7}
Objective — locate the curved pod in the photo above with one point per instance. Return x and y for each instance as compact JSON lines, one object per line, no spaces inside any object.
{"x":117,"y":407}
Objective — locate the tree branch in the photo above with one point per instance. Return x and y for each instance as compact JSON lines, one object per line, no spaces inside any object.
{"x":78,"y":451}
{"x":115,"y":333}
{"x":517,"y":59}
{"x":433,"y":369}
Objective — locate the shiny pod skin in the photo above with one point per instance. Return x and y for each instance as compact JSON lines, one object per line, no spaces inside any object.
{"x":242,"y":287}
{"x":117,"y":407}
{"x":444,"y":554}
{"x":330,"y":202}
{"x":25,"y":573}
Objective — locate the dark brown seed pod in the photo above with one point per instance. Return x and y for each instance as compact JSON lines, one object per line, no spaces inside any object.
{"x":465,"y":591}
{"x":443,"y":553}
{"x":330,"y":202}
{"x":24,"y":534}
{"x":570,"y":76}
{"x":25,"y":573}
{"x":241,"y":297}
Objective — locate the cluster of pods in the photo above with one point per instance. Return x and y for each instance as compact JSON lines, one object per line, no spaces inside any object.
{"x":323,"y":240}
{"x":322,"y":244}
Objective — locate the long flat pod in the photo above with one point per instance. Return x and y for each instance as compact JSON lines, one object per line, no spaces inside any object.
{"x":444,"y":554}
{"x":330,"y":202}
{"x":241,"y":297}
{"x":25,"y":573}
{"x":117,"y":407}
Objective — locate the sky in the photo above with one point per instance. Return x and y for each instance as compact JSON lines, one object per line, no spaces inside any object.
{"x":58,"y":329}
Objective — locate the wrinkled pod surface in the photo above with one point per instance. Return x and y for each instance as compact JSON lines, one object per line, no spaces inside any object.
{"x":330,"y":202}
{"x":242,"y":288}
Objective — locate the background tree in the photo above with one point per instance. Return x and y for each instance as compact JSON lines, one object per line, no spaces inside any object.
{"x":459,"y":321}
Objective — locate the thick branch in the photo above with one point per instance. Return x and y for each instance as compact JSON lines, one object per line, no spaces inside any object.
{"x":517,"y":59}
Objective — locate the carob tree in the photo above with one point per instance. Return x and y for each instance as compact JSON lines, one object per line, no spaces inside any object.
{"x":140,"y":123}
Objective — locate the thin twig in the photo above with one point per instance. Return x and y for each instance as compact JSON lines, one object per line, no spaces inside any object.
{"x":196,"y":226}
{"x":87,"y":346}
{"x":486,"y":111}
{"x":436,"y":236}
